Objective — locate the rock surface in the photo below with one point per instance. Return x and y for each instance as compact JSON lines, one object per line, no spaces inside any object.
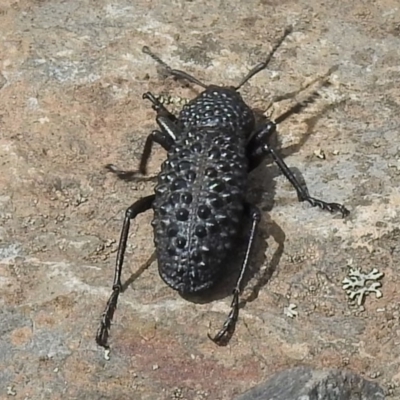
{"x":307,"y":384}
{"x":71,"y":79}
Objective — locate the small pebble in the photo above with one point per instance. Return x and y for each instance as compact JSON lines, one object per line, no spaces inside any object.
{"x":320,"y":154}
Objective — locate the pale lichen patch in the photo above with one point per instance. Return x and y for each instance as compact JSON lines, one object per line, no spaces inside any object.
{"x":357,"y":284}
{"x":290,"y":311}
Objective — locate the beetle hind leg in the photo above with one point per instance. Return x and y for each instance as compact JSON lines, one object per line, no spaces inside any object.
{"x":223,"y":336}
{"x":131,"y":213}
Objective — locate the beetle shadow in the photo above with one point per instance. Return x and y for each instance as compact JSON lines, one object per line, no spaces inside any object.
{"x":131,"y":175}
{"x":135,"y":275}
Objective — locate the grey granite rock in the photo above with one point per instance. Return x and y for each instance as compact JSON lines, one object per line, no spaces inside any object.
{"x":304,"y":383}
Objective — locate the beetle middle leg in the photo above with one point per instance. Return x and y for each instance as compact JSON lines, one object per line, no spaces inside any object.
{"x":131,"y":213}
{"x":258,"y":148}
{"x":229,"y":326}
{"x":158,"y":107}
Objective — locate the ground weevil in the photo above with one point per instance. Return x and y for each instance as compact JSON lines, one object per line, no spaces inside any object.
{"x":200,"y":197}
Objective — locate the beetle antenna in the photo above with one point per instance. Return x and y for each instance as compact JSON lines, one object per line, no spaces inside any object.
{"x":174,"y":72}
{"x":259,"y":67}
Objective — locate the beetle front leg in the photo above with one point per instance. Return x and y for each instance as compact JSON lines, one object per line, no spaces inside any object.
{"x":159,"y":108}
{"x":166,"y":136}
{"x":167,"y":121}
{"x":163,"y":139}
{"x":258,"y":148}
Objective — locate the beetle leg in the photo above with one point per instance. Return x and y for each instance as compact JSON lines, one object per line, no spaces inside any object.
{"x":255,"y":146}
{"x":229,"y":326}
{"x":174,"y":72}
{"x":162,"y":138}
{"x":131,"y":213}
{"x":258,"y":149}
{"x":165,"y":137}
{"x":159,"y":108}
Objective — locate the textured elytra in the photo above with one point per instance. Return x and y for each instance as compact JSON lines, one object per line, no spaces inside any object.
{"x":198,"y":207}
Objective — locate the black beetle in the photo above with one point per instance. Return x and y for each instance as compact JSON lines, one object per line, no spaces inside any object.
{"x":200,"y":198}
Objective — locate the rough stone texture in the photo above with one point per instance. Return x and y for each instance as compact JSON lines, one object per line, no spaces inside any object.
{"x":71,"y":79}
{"x":304,"y":383}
